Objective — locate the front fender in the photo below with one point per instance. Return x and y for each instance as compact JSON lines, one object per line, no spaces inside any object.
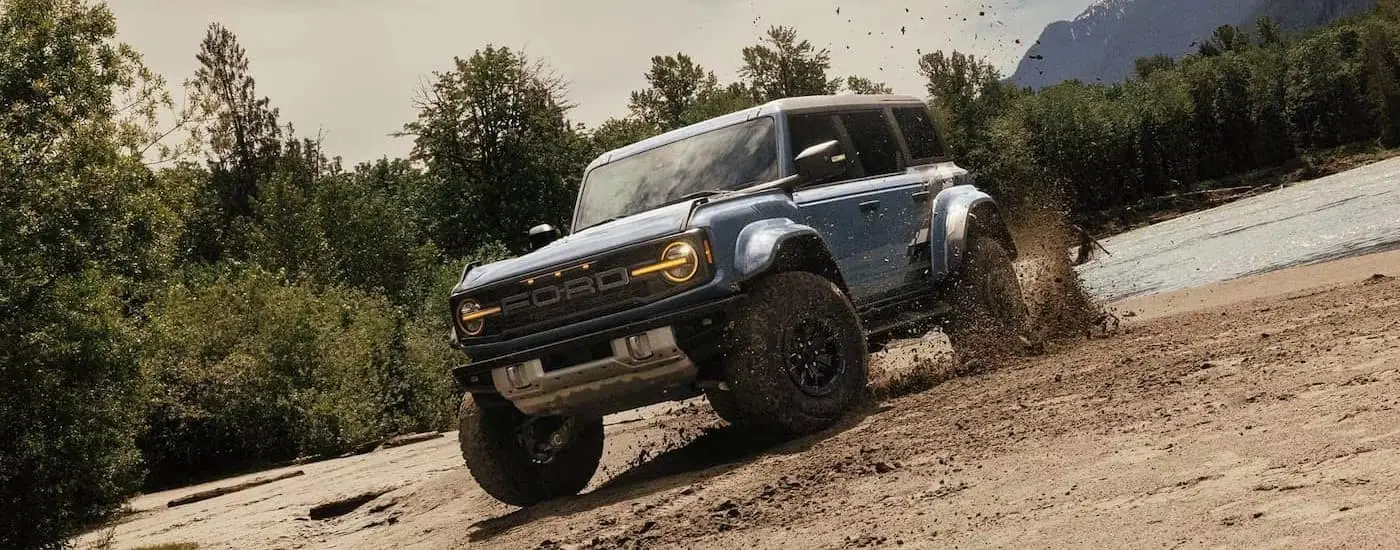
{"x":952,"y":216}
{"x":758,"y":244}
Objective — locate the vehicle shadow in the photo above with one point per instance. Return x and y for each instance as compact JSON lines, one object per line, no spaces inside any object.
{"x":718,"y":450}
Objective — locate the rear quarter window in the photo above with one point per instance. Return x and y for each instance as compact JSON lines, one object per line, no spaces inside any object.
{"x":919,"y":133}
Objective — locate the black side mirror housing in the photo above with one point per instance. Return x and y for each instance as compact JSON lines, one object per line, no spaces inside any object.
{"x":543,"y":234}
{"x":820,"y":163}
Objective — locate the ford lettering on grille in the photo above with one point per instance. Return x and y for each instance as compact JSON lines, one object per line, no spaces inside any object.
{"x":571,"y":289}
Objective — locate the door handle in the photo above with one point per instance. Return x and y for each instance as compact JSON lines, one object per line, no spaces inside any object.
{"x":920,"y":196}
{"x":869,"y":206}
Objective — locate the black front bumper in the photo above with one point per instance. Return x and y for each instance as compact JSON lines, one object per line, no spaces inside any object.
{"x":476,"y":376}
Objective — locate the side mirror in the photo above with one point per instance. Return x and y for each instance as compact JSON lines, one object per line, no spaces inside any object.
{"x":820,"y":162}
{"x":543,"y":234}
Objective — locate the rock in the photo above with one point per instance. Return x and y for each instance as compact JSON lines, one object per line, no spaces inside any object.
{"x":220,"y":491}
{"x":410,"y":439}
{"x":1378,"y":278}
{"x":340,"y":507}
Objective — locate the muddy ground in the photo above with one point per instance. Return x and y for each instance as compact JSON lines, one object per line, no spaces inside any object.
{"x":1255,"y":413}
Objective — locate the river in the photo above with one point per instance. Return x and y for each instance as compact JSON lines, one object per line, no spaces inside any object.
{"x":1346,"y":214}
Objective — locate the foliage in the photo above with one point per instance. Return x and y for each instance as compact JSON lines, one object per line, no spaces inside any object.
{"x":616,"y":133}
{"x":862,"y":85}
{"x":244,"y":145}
{"x":84,"y":231}
{"x":1145,"y":66}
{"x":783,"y":66}
{"x":966,"y":93}
{"x":677,"y":86}
{"x":269,"y":302}
{"x":500,"y":151}
{"x":248,"y":370}
{"x":1234,"y":107}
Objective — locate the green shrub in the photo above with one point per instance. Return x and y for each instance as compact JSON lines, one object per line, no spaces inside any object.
{"x":84,"y":232}
{"x":247,"y":370}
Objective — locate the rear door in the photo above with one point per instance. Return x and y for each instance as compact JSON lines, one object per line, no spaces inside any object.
{"x":926,"y":150}
{"x":868,"y":217}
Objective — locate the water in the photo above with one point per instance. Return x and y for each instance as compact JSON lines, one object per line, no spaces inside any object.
{"x":1347,"y":214}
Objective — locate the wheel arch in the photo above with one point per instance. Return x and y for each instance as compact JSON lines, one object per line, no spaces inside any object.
{"x":778,"y":245}
{"x":959,"y":213}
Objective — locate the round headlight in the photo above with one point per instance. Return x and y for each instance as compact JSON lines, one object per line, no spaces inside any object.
{"x":686,"y":259}
{"x":470,"y":325}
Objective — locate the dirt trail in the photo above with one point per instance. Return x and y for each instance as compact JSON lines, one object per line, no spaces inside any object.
{"x":1255,"y":413}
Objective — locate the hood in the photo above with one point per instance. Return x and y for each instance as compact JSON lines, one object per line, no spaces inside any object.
{"x":637,"y":228}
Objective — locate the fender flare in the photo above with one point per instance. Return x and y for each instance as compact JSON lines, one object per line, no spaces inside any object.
{"x":756,"y":249}
{"x":954,"y":213}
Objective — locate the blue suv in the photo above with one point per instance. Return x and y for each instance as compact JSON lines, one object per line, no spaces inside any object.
{"x":756,"y":258}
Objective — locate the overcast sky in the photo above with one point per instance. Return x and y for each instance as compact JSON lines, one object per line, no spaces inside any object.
{"x":350,"y":68}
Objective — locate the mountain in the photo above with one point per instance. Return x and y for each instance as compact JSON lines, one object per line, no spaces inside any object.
{"x":1101,"y":44}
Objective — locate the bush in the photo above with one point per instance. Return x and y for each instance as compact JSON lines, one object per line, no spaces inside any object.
{"x":67,"y":419}
{"x":247,"y":370}
{"x":84,"y":230}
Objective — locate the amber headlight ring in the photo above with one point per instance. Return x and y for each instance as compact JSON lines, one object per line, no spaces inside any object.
{"x":679,"y":263}
{"x":471,"y":317}
{"x":680,"y":251}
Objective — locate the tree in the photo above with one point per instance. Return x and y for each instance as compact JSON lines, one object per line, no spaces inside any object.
{"x":1322,"y":100}
{"x":958,"y":80}
{"x":676,"y":86}
{"x":502,"y":154}
{"x":1380,"y":65}
{"x":83,"y":228}
{"x":285,"y":233}
{"x":615,"y":133}
{"x":1268,"y":71}
{"x":1219,"y":88}
{"x":375,"y":223}
{"x":253,"y":371}
{"x":782,"y":66}
{"x":865,"y":86}
{"x":723,"y":100}
{"x":970,"y":91}
{"x":1270,"y":32}
{"x":1227,"y":38}
{"x":244,"y":141}
{"x":1143,"y":67}
{"x":1388,"y":10}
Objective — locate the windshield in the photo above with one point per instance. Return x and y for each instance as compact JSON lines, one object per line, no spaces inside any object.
{"x":729,"y":158}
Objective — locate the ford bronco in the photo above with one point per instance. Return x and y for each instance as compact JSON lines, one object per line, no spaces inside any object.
{"x":756,"y":258}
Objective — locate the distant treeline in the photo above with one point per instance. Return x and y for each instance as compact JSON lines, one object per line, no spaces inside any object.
{"x":174,"y":309}
{"x":1245,"y":100}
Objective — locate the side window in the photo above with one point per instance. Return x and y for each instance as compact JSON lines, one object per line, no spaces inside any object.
{"x":919,"y":133}
{"x":808,"y":130}
{"x":874,"y":142}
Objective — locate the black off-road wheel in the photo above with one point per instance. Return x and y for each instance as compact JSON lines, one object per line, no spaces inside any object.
{"x":989,"y":314}
{"x":797,"y":358}
{"x":522,"y":460}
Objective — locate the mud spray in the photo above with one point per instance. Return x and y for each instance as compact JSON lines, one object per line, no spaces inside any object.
{"x":1062,"y":312}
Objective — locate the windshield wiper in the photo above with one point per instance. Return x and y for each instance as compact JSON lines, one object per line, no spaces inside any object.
{"x":689,"y":197}
{"x":695,"y":195}
{"x":609,"y":220}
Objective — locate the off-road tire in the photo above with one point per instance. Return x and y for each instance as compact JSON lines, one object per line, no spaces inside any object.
{"x":504,"y":468}
{"x":762,"y":394}
{"x":989,"y":314}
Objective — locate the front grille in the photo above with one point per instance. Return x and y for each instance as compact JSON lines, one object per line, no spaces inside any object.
{"x":580,"y":307}
{"x":581,"y":290}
